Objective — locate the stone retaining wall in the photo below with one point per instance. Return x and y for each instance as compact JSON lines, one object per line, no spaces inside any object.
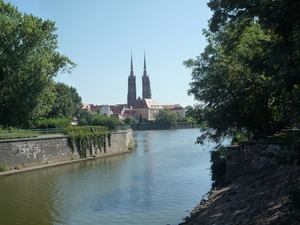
{"x":52,"y":149}
{"x":249,"y":157}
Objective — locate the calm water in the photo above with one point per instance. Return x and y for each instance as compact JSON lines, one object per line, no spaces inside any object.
{"x":163,"y":177}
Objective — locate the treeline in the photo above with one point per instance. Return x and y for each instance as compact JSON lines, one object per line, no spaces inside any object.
{"x":29,"y":62}
{"x":248,"y":76}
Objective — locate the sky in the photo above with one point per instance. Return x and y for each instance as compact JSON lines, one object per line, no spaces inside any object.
{"x":100,"y":36}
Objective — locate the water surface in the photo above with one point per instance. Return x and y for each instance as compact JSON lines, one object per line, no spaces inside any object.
{"x":157,"y":183}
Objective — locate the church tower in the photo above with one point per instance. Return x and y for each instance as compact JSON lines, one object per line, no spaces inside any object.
{"x":131,"y":96}
{"x":146,"y":82}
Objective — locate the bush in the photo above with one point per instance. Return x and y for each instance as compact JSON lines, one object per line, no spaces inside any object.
{"x":3,"y":168}
{"x":110,"y":122}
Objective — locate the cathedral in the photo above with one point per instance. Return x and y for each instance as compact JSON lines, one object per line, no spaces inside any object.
{"x":146,"y":89}
{"x":142,"y":107}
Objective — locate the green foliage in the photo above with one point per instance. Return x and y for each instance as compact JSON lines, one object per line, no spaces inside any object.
{"x":218,"y":166}
{"x":84,"y":138}
{"x":67,"y":102}
{"x":3,"y":168}
{"x":235,"y":84}
{"x":189,"y":111}
{"x":84,"y":117}
{"x":196,"y":112}
{"x":248,"y":75}
{"x":166,"y":117}
{"x":54,"y":123}
{"x":128,"y":121}
{"x":76,"y":100}
{"x":29,"y":61}
{"x":239,"y":136}
{"x":110,"y":122}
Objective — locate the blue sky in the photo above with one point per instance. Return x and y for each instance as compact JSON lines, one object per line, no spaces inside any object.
{"x":99,"y":35}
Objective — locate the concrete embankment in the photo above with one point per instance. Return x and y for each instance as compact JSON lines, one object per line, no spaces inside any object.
{"x":260,"y":198}
{"x":22,"y":155}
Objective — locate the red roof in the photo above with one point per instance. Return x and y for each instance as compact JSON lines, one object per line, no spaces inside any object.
{"x":117,"y":108}
{"x":173,"y":107}
{"x":95,"y":108}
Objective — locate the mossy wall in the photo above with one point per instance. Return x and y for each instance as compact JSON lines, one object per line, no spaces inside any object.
{"x":46,"y":150}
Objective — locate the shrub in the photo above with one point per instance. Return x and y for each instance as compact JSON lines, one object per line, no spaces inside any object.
{"x":3,"y":168}
{"x":110,"y":122}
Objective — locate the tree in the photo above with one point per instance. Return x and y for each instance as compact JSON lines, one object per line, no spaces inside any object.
{"x":189,"y":111}
{"x":128,"y":121}
{"x":234,"y":83}
{"x":63,"y":105}
{"x":197,"y":112}
{"x":29,"y":61}
{"x":84,"y":117}
{"x":280,"y":18}
{"x":76,"y":99}
{"x":166,"y":117}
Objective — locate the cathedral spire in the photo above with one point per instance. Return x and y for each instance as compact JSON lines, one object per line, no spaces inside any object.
{"x":131,"y":94}
{"x":131,"y":67}
{"x":145,"y":69}
{"x":146,"y":81}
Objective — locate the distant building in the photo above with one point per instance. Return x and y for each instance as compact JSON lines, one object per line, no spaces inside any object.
{"x":135,"y":108}
{"x":146,"y":82}
{"x":177,"y":108}
{"x":146,"y":108}
{"x":146,"y":88}
{"x":131,"y":95}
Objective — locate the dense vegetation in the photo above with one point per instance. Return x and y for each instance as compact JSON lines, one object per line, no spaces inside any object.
{"x":166,"y":117}
{"x":248,"y":75}
{"x":29,"y":61}
{"x":86,"y":137}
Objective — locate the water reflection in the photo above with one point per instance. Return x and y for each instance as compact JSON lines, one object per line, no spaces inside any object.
{"x":156,"y":183}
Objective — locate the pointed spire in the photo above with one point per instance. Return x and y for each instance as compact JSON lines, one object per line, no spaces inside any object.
{"x":131,"y":67}
{"x":145,"y":69}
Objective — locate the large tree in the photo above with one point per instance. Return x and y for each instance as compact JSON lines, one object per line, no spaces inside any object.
{"x":231,"y":78}
{"x":77,"y":101}
{"x":248,"y":75}
{"x":29,"y":61}
{"x":67,"y":102}
{"x":166,"y":117}
{"x":280,"y":18}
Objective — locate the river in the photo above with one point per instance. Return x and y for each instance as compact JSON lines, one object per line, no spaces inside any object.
{"x":162,"y":178}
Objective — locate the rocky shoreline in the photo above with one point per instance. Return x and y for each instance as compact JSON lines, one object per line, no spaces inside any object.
{"x":260,"y":198}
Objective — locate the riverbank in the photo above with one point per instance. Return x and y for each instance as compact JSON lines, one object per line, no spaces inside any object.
{"x":25,"y":154}
{"x":261,"y":198}
{"x":44,"y":166}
